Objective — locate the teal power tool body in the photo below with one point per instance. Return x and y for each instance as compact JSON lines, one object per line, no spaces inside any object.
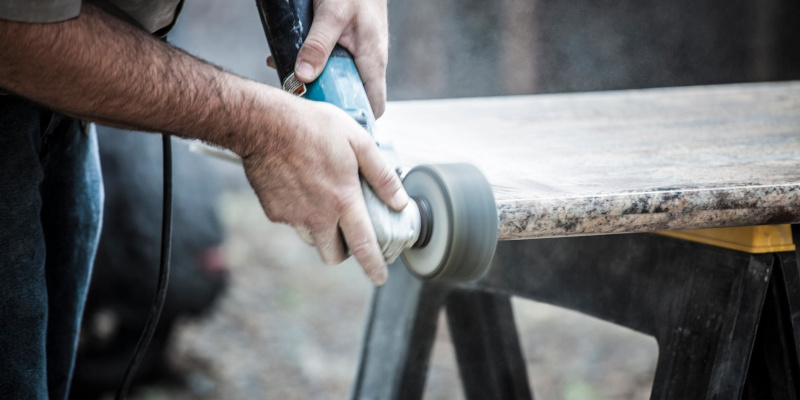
{"x":449,"y":230}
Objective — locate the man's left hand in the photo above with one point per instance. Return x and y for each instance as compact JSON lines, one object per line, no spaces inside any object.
{"x":360,"y":26}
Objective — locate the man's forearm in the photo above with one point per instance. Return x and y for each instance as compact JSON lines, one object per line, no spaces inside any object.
{"x":102,"y":69}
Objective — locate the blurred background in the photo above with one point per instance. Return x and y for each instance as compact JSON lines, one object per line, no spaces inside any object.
{"x":253,"y":313}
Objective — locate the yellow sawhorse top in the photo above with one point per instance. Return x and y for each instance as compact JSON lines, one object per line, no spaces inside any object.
{"x":750,"y":239}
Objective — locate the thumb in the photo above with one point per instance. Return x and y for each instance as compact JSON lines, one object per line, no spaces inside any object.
{"x":325,"y":31}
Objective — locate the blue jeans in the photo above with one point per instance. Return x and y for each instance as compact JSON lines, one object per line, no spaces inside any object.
{"x":51,"y":199}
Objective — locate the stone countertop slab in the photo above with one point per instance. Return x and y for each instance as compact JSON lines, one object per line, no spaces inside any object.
{"x":619,"y":161}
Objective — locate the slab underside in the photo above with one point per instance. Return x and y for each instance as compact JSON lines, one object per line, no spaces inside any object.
{"x":619,"y":162}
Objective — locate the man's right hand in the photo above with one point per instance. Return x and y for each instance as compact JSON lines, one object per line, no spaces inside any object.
{"x":303,"y":158}
{"x":306,"y":174}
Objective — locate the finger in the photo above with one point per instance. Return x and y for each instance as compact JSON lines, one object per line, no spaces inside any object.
{"x":330,"y":245}
{"x":372,"y":60}
{"x":372,"y":69}
{"x":271,"y":62}
{"x":326,"y":28}
{"x":379,"y":174}
{"x":305,"y":234}
{"x":360,"y":238}
{"x":376,"y":92}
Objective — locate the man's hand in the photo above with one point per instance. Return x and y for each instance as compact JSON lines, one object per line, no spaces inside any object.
{"x":303,"y":158}
{"x":360,"y":26}
{"x":307,"y":176}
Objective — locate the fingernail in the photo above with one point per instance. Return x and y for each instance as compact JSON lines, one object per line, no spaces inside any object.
{"x":328,"y":260}
{"x":304,"y":70}
{"x":399,"y":200}
{"x":380,"y":276}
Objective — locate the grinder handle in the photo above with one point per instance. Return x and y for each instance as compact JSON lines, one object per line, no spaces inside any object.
{"x":286,"y":24}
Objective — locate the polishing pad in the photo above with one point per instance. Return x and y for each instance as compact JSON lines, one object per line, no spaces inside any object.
{"x":463,"y":232}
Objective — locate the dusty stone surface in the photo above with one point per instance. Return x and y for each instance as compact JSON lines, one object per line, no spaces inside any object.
{"x":619,"y":162}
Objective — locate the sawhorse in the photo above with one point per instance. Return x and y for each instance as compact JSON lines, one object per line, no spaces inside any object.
{"x":727,"y":322}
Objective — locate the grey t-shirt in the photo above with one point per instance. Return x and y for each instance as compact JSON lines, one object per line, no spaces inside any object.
{"x":154,"y":16}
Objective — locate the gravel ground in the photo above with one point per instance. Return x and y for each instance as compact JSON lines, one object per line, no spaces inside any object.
{"x":290,"y":327}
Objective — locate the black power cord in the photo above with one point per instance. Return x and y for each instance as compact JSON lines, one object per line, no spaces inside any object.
{"x":163,"y":275}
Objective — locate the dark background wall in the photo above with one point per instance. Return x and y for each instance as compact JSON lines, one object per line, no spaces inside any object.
{"x":453,"y":48}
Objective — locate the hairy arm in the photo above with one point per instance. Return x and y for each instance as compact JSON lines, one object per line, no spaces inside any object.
{"x":303,"y":158}
{"x":101,"y":69}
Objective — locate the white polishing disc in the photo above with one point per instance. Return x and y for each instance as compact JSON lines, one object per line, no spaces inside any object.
{"x":426,"y":260}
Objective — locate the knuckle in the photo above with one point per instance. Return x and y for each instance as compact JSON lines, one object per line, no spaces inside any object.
{"x":383,"y":63}
{"x":386,"y":179}
{"x":316,"y":47}
{"x":337,"y":12}
{"x":358,"y":143}
{"x":278,"y":217}
{"x":272,"y":212}
{"x":315,"y":222}
{"x":361,"y":248}
{"x":383,"y":57}
{"x":340,"y":15}
{"x":343,"y":201}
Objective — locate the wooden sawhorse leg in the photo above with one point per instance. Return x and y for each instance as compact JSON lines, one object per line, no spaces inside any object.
{"x":774,"y":371}
{"x":487,"y":347}
{"x":399,"y":337}
{"x":401,"y":330}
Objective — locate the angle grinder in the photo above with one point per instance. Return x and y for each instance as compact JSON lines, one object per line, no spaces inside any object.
{"x":449,"y":230}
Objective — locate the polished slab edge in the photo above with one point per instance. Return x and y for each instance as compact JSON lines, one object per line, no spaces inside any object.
{"x":649,"y":211}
